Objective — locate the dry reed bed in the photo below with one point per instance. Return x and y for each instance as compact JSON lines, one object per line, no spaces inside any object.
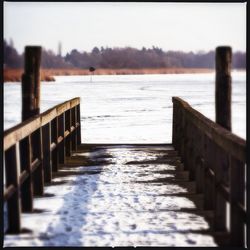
{"x":14,"y":75}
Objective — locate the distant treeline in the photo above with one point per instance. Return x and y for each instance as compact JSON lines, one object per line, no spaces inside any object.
{"x":118,"y":58}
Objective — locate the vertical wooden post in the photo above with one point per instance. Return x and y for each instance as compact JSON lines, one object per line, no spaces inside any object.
{"x":223,"y":86}
{"x":46,"y":137}
{"x":37,"y":153}
{"x":67,"y":127}
{"x":183,"y":136}
{"x":12,"y":178}
{"x":200,"y":173}
{"x":27,"y":187}
{"x":61,"y":146}
{"x":237,"y":191}
{"x":78,"y":119}
{"x":174,"y":124}
{"x":221,"y":166}
{"x":31,"y":103}
{"x":31,"y":82}
{"x":73,"y":134}
{"x":54,"y":136}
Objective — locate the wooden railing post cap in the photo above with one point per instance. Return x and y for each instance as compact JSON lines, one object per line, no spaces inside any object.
{"x":225,"y":52}
{"x":33,"y":51}
{"x":33,"y":47}
{"x":223,"y":48}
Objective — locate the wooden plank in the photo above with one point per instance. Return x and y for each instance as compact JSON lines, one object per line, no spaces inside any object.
{"x":78,"y":125}
{"x":223,"y":88}
{"x":61,"y":108}
{"x":74,"y":102}
{"x":12,"y":168}
{"x":37,"y":153}
{"x":73,"y":132}
{"x":237,"y":192}
{"x":200,"y":174}
{"x":20,"y":131}
{"x":9,"y":191}
{"x":67,"y":134}
{"x":23,"y":177}
{"x":209,"y":191}
{"x":224,"y":190}
{"x":35,"y":164}
{"x":31,"y":82}
{"x":48,"y":116}
{"x":26,"y":188}
{"x":231,"y":143}
{"x":54,"y":136}
{"x":60,"y":140}
{"x":46,"y":139}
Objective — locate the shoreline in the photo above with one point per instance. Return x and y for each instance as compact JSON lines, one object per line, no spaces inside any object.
{"x":14,"y":75}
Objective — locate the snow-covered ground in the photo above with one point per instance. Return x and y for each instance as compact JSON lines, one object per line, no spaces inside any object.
{"x":131,"y":108}
{"x":114,"y":203}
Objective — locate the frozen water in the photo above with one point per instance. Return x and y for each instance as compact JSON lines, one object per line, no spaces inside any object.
{"x":131,"y":108}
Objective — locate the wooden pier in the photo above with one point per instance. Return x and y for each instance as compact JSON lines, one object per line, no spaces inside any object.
{"x":209,"y":163}
{"x":209,"y":160}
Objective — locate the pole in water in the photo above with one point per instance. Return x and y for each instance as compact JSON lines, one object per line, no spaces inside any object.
{"x":92,"y":70}
{"x":223,"y":86}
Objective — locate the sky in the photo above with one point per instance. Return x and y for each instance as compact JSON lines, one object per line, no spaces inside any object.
{"x":82,"y":26}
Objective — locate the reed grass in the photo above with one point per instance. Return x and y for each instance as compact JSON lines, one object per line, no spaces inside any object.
{"x":14,"y":75}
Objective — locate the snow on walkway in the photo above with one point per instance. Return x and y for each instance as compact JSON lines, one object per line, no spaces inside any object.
{"x":121,"y":198}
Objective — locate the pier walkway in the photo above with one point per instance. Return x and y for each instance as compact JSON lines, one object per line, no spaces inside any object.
{"x":60,"y":192}
{"x":119,"y":195}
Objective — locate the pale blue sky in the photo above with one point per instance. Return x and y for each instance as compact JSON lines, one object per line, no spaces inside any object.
{"x":171,"y":26}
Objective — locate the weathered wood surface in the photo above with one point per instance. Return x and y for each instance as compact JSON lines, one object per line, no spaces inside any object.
{"x":209,"y":163}
{"x":231,"y":143}
{"x":223,"y":86}
{"x":31,"y":82}
{"x":216,"y":159}
{"x":134,"y":197}
{"x":22,"y":130}
{"x":32,"y":151}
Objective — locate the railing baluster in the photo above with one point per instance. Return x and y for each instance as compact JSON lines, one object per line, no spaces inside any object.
{"x":199,"y":175}
{"x":12,"y":168}
{"x":46,"y":138}
{"x":36,"y":142}
{"x":237,"y":191}
{"x":32,"y":147}
{"x":73,"y":123}
{"x":221,"y":170}
{"x":219,"y":167}
{"x":67,"y":127}
{"x":78,"y":120}
{"x":54,"y":137}
{"x":27,"y":188}
{"x":61,"y":145}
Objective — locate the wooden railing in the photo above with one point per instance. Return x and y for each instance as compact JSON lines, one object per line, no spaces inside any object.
{"x":216,"y":159}
{"x":33,"y":150}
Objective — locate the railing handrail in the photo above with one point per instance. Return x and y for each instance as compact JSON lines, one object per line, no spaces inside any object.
{"x":233,"y":144}
{"x":33,"y":150}
{"x":216,"y":159}
{"x":23,"y":129}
